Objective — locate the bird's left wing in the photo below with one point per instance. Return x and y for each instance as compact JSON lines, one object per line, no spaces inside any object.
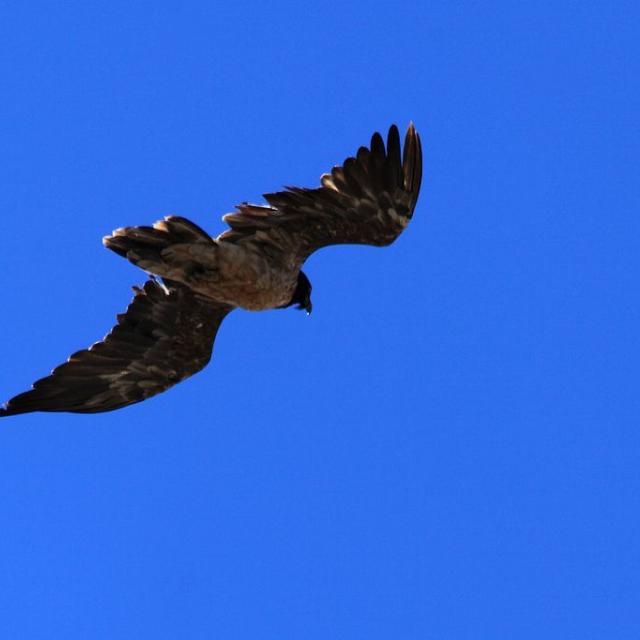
{"x":165,"y":336}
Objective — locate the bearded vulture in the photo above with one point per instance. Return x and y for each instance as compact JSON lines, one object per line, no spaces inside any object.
{"x":167,"y":333}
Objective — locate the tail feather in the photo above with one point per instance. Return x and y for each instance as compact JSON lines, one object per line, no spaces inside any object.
{"x":166,"y":249}
{"x":183,"y":230}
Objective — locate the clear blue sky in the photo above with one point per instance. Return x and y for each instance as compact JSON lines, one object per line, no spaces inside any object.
{"x":449,"y":446}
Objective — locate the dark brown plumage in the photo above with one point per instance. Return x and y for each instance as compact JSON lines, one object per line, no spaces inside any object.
{"x":368,"y":200}
{"x":165,"y":336}
{"x":167,"y":333}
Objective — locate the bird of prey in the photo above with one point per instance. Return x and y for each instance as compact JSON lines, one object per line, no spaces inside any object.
{"x":167,"y":333}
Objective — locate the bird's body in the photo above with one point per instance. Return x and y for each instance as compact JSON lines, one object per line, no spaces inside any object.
{"x":240,"y":276}
{"x":167,"y":333}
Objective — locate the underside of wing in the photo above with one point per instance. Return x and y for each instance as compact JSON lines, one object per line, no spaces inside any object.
{"x":370,"y":199}
{"x":165,"y":336}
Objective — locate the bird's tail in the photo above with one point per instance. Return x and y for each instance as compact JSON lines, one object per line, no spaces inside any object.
{"x":174,"y":248}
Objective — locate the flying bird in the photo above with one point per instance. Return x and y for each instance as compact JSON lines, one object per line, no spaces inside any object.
{"x":168,"y":330}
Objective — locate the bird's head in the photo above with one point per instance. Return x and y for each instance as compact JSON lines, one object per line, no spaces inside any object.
{"x":302,"y":294}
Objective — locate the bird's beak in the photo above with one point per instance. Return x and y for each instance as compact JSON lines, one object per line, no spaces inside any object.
{"x":305,"y":307}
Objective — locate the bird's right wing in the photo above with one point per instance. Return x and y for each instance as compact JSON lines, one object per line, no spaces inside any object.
{"x":165,"y":336}
{"x":368,"y":200}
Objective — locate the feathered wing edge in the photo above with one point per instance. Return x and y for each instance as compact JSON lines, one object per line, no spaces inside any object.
{"x":165,"y":336}
{"x":370,"y":199}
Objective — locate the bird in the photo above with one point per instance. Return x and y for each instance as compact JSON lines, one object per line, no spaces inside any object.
{"x":167,"y":332}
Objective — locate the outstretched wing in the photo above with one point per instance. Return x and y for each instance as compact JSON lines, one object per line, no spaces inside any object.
{"x":165,"y":336}
{"x":368,"y":200}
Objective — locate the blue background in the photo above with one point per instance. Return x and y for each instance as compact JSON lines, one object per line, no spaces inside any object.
{"x":449,"y":446}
